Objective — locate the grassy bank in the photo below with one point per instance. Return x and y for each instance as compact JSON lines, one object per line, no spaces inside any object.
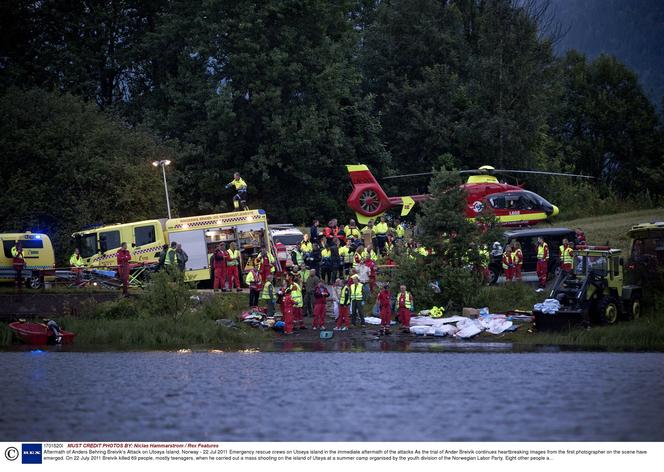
{"x":126,"y":324}
{"x":646,"y":333}
{"x":613,"y":228}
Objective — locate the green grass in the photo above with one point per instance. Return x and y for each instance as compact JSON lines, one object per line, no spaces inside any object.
{"x":613,"y":228}
{"x":124,"y":324}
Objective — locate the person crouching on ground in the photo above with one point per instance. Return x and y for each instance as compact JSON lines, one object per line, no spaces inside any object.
{"x":405,"y":305}
{"x":287,"y":311}
{"x":320,"y":303}
{"x":384,"y":303}
{"x":268,"y":295}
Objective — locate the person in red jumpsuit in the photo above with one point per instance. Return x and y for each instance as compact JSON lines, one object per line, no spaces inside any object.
{"x":343,"y":320}
{"x":404,"y":304}
{"x":265,"y":267}
{"x":123,"y":257}
{"x":233,"y":261}
{"x":219,"y":257}
{"x":320,"y":303}
{"x":287,"y":310}
{"x":384,"y":303}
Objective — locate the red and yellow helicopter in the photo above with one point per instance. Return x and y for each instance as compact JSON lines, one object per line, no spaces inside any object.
{"x":512,"y":204}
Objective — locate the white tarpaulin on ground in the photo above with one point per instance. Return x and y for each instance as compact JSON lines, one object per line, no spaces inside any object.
{"x":464,"y":328}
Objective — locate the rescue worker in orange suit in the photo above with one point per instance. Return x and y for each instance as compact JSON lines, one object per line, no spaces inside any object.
{"x":517,"y":259}
{"x":219,"y":257}
{"x":542,"y":263}
{"x":566,"y":256}
{"x":264,"y":264}
{"x":287,"y":311}
{"x":254,"y":280}
{"x":404,"y":305}
{"x":508,"y":264}
{"x":18,"y":262}
{"x":321,"y":295}
{"x":232,"y":267}
{"x":123,"y":257}
{"x":385,"y":305}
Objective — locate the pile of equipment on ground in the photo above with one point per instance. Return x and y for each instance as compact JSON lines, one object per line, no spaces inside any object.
{"x":465,"y":327}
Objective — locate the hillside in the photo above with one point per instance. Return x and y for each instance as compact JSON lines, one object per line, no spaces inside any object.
{"x":613,"y":228}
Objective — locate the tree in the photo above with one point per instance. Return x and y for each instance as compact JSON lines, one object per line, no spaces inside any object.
{"x":606,"y":126}
{"x":67,"y":165}
{"x":455,"y":244}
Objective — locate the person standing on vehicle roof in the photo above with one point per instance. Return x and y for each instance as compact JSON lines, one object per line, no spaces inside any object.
{"x":566,"y":256}
{"x":18,"y":262}
{"x":123,"y":257}
{"x":219,"y":257}
{"x":76,"y":263}
{"x":232,"y":266}
{"x":542,"y":263}
{"x":240,"y":199}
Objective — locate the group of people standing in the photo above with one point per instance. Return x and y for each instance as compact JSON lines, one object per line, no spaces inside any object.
{"x":337,"y":264}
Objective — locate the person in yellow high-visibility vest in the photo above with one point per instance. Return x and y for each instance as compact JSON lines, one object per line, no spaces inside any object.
{"x":566,"y":256}
{"x":399,"y":230}
{"x":240,"y":199}
{"x":233,"y":262}
{"x":380,"y":231}
{"x":268,"y":296}
{"x":357,"y":300}
{"x":76,"y":263}
{"x":298,"y":302}
{"x":18,"y":262}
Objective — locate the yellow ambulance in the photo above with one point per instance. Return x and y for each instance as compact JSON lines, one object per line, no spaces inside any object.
{"x":37,"y":254}
{"x":198,"y":235}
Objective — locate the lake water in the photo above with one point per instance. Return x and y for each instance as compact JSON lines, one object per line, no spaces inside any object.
{"x":322,"y":396}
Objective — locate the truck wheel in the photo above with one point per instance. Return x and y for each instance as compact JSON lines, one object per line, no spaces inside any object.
{"x":33,"y":282}
{"x":634,"y":309}
{"x":607,"y":309}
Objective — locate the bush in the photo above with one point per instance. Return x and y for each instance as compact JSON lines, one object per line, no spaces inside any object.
{"x":166,"y":295}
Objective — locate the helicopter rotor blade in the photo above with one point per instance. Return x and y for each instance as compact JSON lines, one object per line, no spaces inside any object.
{"x":539,"y":172}
{"x":401,"y":176}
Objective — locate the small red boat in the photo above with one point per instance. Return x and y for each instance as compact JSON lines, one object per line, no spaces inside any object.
{"x":38,"y":333}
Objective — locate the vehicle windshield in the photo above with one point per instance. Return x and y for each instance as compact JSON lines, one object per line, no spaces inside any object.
{"x":288,"y":239}
{"x":87,"y":244}
{"x":587,"y":264}
{"x":649,"y":247}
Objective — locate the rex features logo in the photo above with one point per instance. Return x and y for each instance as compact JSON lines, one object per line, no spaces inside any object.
{"x":31,"y":453}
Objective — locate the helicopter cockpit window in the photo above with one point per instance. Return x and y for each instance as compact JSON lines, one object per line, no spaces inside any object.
{"x":498,"y":202}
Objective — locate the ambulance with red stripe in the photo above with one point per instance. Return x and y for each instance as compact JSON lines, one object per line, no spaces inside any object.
{"x":198,"y":235}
